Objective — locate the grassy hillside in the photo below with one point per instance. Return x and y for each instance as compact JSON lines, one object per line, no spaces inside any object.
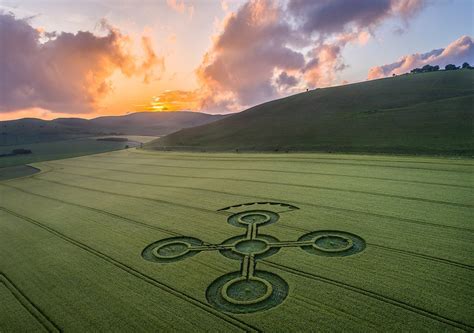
{"x":30,"y":130}
{"x":395,"y":253}
{"x":424,"y":113}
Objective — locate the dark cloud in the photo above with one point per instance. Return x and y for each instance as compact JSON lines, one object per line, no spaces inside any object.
{"x":285,"y":80}
{"x":333,"y":16}
{"x":63,"y":72}
{"x":330,"y":16}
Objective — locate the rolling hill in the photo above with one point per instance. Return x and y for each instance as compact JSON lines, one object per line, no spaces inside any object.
{"x":31,"y":130}
{"x":429,"y":113}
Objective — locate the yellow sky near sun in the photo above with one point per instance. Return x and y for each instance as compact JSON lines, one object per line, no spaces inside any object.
{"x":133,"y":95}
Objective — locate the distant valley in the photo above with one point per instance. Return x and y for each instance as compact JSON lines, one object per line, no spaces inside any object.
{"x":32,"y":130}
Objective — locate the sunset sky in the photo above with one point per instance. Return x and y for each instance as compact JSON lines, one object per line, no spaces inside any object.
{"x":91,"y":58}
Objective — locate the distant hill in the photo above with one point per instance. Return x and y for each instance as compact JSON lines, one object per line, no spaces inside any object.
{"x":429,"y":113}
{"x":154,"y":123}
{"x":30,"y":130}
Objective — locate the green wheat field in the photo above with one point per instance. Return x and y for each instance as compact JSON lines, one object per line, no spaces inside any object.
{"x":134,"y":240}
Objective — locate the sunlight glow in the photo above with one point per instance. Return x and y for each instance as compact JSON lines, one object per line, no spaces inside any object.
{"x":172,"y":100}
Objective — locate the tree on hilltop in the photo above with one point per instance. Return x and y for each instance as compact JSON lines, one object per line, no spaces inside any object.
{"x":450,"y":67}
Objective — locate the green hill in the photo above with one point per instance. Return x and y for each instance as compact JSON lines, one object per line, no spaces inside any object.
{"x":31,"y":130}
{"x":429,"y":113}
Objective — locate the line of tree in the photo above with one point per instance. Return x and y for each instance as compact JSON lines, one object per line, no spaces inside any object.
{"x":449,"y":67}
{"x":19,"y":151}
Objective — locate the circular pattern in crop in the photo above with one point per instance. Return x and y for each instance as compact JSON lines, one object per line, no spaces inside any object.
{"x":239,"y":294}
{"x":255,"y":217}
{"x":249,"y":246}
{"x":171,"y":249}
{"x":250,"y":290}
{"x":242,"y":246}
{"x":332,"y":243}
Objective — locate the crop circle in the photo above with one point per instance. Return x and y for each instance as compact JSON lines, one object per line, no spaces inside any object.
{"x":332,"y":243}
{"x":171,"y":249}
{"x":236,"y":293}
{"x":246,"y":291}
{"x":251,"y":246}
{"x":241,"y":246}
{"x":256,"y":217}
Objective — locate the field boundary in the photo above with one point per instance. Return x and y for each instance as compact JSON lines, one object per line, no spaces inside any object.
{"x":372,"y":294}
{"x":43,"y":169}
{"x":33,"y":309}
{"x":19,"y":171}
{"x":148,"y":279}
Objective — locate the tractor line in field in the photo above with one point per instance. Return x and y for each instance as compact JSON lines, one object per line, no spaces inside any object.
{"x":31,"y":307}
{"x":126,"y":195}
{"x":454,"y":204}
{"x":270,"y":159}
{"x":327,"y":308}
{"x":404,"y":252}
{"x":170,"y":232}
{"x":107,"y":213}
{"x":292,"y":161}
{"x":242,"y":195}
{"x":386,"y":299}
{"x":264,"y":170}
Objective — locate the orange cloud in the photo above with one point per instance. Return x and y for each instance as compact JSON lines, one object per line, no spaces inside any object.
{"x":67,"y":73}
{"x":150,"y":62}
{"x":181,"y":7}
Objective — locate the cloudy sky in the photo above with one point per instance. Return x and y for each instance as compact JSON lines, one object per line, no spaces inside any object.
{"x":88,"y":58}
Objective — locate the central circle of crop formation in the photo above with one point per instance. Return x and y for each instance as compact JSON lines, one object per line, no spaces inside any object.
{"x":251,"y":246}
